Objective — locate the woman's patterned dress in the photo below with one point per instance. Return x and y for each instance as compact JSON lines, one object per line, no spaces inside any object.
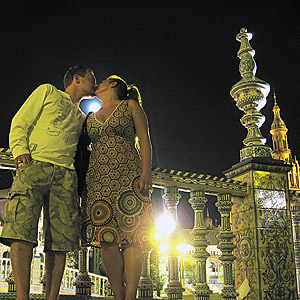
{"x":113,"y":210}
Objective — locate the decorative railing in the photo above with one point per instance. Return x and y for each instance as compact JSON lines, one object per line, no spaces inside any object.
{"x":5,"y":268}
{"x":98,"y":281}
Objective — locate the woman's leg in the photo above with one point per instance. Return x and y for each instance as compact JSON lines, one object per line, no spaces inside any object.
{"x":114,"y":267}
{"x":132,"y":255}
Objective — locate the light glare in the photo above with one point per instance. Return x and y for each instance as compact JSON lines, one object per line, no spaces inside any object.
{"x":88,"y":104}
{"x":157,"y":236}
{"x":164,"y":247}
{"x":94,"y":106}
{"x":165,"y":224}
{"x":184,"y":248}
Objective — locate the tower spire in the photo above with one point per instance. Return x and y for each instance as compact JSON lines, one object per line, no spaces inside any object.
{"x":250,"y":95}
{"x":281,"y":149}
{"x":279,"y":136}
{"x":274,"y":95}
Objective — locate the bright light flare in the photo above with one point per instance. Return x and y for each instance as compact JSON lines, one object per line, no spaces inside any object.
{"x":94,"y":106}
{"x":90,"y":104}
{"x":184,"y":248}
{"x":157,"y":236}
{"x":165,"y":224}
{"x":164,"y":247}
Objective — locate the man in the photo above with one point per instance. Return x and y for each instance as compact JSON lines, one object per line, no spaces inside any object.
{"x":43,"y":138}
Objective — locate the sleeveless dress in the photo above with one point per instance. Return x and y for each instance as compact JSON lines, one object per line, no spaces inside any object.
{"x":113,"y":210}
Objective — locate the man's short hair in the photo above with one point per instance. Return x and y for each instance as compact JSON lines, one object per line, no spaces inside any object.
{"x":74,"y":70}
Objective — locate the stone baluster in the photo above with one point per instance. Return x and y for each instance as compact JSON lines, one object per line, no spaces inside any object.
{"x":11,"y":283}
{"x":145,"y":288}
{"x":43,"y":282}
{"x":83,"y":282}
{"x":174,"y":288}
{"x":198,"y":201}
{"x":226,"y":245}
{"x":108,"y":290}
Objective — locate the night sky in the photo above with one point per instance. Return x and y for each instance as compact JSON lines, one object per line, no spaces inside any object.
{"x":181,"y":54}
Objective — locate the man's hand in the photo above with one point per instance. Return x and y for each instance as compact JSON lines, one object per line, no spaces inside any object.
{"x":22,"y":159}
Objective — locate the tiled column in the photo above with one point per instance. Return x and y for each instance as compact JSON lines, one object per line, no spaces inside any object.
{"x":295,"y":212}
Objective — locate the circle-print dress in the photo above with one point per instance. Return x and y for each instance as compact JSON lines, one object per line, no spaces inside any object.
{"x":113,"y":210}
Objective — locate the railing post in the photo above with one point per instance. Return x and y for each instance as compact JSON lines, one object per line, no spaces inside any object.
{"x":11,"y":283}
{"x":145,"y":289}
{"x":174,"y":288}
{"x":226,"y":245}
{"x":109,"y":292}
{"x":83,"y":282}
{"x":36,"y":270}
{"x":43,"y":282}
{"x":198,"y":201}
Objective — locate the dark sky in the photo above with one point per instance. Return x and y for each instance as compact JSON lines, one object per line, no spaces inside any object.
{"x":181,"y":54}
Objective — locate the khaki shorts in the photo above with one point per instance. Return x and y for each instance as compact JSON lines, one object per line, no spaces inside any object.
{"x":43,"y":185}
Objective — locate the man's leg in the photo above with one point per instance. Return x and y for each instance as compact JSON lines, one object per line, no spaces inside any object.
{"x":132,"y":270}
{"x":55,"y":266}
{"x":21,"y":256}
{"x":113,"y":264}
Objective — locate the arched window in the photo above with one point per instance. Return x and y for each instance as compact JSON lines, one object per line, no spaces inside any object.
{"x":6,"y":254}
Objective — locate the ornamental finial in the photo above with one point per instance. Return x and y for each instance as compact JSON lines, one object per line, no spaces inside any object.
{"x":250,"y":95}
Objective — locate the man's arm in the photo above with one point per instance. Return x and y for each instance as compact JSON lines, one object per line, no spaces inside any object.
{"x":21,"y":123}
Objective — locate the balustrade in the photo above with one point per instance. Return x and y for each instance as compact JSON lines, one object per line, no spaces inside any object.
{"x":98,"y":281}
{"x":5,"y":268}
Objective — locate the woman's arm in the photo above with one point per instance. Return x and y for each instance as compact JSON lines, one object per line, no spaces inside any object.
{"x":142,"y":131}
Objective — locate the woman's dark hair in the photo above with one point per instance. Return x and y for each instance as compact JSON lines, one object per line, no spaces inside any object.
{"x":125,"y":91}
{"x":75,"y":70}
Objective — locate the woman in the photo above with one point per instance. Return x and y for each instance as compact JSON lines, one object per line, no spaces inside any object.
{"x":118,"y":214}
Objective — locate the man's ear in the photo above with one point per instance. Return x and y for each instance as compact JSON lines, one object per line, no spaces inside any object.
{"x":114,"y":84}
{"x":76,"y":78}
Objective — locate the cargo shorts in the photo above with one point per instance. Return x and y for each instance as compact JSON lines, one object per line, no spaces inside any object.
{"x":41,"y":185}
